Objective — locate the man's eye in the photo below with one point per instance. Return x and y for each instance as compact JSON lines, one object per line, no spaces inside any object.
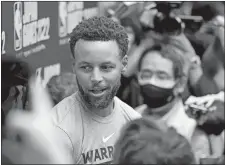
{"x":107,"y":68}
{"x":146,"y":75}
{"x":86,"y":68}
{"x":163,"y":76}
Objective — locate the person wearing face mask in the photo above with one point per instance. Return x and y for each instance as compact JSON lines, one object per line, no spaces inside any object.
{"x":162,"y":78}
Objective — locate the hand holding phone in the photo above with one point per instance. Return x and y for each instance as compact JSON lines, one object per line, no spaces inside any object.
{"x":199,"y":113}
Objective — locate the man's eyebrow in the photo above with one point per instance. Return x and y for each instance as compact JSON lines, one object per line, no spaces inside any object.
{"x":107,"y":62}
{"x":83,"y":63}
{"x":145,"y":70}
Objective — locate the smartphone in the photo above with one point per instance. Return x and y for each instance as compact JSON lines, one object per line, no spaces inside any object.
{"x":195,"y":111}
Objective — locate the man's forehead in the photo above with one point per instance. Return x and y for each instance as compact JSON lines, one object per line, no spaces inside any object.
{"x":156,"y":62}
{"x":81,"y":43}
{"x":96,"y":51}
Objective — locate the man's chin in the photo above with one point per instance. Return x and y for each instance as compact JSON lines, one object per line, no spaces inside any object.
{"x":98,"y":104}
{"x":101,"y":105}
{"x":99,"y":101}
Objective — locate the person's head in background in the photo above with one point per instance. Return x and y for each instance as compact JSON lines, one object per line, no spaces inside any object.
{"x":15,"y":76}
{"x":128,"y":17}
{"x":99,"y":47}
{"x":62,"y":86}
{"x":146,"y":141}
{"x":130,"y":20}
{"x":133,"y":29}
{"x":162,"y":75}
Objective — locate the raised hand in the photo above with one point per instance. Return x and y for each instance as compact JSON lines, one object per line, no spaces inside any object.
{"x":31,"y":137}
{"x":206,"y":101}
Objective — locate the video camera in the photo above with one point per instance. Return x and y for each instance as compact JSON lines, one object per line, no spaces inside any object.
{"x":158,"y":17}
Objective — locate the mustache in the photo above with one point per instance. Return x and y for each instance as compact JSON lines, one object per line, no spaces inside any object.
{"x":98,"y":86}
{"x":94,"y":86}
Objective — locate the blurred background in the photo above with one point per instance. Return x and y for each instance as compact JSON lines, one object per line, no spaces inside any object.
{"x":38,"y":32}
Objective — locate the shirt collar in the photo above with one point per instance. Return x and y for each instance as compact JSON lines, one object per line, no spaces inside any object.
{"x":178,"y":119}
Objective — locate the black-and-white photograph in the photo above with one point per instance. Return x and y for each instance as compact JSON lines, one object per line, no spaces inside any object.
{"x":112,"y":82}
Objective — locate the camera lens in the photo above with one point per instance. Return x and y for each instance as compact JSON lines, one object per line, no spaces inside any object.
{"x":168,"y":25}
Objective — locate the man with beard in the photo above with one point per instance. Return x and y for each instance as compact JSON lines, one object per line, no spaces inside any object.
{"x":90,"y":120}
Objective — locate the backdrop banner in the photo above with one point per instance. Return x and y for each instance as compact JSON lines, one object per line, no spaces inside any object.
{"x":38,"y":33}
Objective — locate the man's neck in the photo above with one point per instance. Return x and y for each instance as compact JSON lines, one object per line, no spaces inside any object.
{"x":162,"y":111}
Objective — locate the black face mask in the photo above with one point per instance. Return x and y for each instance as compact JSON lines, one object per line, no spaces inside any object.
{"x":155,"y":96}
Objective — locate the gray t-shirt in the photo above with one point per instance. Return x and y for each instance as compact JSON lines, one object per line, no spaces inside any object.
{"x":89,"y":138}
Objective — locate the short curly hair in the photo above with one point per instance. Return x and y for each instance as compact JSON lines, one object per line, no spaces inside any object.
{"x":100,"y":29}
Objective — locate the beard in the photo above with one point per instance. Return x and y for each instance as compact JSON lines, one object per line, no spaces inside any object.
{"x":99,"y":102}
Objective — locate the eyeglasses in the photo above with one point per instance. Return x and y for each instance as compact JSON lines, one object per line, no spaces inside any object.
{"x":144,"y":77}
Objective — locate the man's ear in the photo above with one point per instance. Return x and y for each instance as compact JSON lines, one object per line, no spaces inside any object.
{"x":124,"y":63}
{"x":180,"y":86}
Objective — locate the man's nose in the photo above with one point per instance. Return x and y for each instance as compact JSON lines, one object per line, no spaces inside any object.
{"x":153,"y":80}
{"x":96,"y":75}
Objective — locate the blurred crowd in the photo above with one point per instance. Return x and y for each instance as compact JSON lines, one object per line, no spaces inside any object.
{"x":174,"y":79}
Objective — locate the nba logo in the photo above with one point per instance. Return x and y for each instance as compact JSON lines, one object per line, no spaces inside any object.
{"x":62,"y":19}
{"x":17,"y":10}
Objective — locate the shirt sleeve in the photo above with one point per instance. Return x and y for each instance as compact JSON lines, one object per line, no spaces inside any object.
{"x":62,"y":136}
{"x":67,"y":146}
{"x":130,"y":112}
{"x":67,"y":119}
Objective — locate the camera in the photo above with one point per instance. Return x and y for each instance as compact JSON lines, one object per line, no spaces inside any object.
{"x":158,"y":17}
{"x":164,"y":21}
